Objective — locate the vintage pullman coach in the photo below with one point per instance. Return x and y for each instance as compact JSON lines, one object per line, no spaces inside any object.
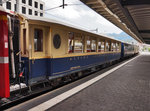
{"x":52,"y":49}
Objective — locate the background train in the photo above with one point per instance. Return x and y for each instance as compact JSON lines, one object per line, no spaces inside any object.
{"x":44,"y":50}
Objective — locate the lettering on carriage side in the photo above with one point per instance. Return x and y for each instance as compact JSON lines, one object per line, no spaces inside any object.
{"x":76,"y":67}
{"x":4,"y":60}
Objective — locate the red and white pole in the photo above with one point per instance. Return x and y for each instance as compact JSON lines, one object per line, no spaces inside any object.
{"x":4,"y":58}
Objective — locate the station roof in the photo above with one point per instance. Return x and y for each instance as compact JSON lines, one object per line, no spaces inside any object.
{"x":132,"y":16}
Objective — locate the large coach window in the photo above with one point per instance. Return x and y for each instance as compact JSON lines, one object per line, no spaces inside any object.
{"x":102,"y":46}
{"x":71,"y":42}
{"x":93,"y":46}
{"x":78,"y":44}
{"x":107,"y":47}
{"x":113,"y":47}
{"x":88,"y":42}
{"x":117,"y":46}
{"x":38,"y":40}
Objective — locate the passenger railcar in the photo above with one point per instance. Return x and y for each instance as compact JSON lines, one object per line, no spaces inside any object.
{"x":52,"y":49}
{"x":128,"y":50}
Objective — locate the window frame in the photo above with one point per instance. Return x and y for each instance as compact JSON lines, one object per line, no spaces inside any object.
{"x":118,"y":48}
{"x":15,"y":7}
{"x":30,"y":10}
{"x":41,"y":6}
{"x":24,"y":1}
{"x":23,"y":10}
{"x":75,"y":43}
{"x":93,"y":42}
{"x":108,"y":46}
{"x":42,"y":40}
{"x":35,"y":4}
{"x":80,"y":39}
{"x":102,"y":45}
{"x":36,"y":13}
{"x":70,"y":42}
{"x":88,"y":45}
{"x":8,"y":5}
{"x":41,"y":14}
{"x":30,"y":2}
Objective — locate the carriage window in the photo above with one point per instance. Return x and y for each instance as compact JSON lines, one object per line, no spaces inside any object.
{"x":57,"y":41}
{"x":78,"y":45}
{"x":117,"y":47}
{"x":24,"y":41}
{"x":88,"y":45}
{"x":102,"y":46}
{"x":93,"y":46}
{"x":107,"y":47}
{"x":99,"y":46}
{"x":38,"y":40}
{"x":71,"y":42}
{"x":113,"y":47}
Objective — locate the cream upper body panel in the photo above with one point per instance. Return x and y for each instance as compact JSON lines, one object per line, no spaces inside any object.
{"x":50,"y":29}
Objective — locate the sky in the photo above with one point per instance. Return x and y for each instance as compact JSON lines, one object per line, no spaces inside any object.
{"x":82,"y":16}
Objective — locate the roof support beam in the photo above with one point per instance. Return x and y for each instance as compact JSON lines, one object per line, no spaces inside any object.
{"x":134,"y":2}
{"x":96,"y":6}
{"x":144,"y":31}
{"x":91,"y":2}
{"x":147,"y":40}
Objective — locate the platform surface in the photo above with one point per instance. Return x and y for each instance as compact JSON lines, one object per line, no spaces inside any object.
{"x":126,"y":89}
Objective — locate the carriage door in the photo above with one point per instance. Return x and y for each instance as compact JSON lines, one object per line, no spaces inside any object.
{"x":39,"y":60}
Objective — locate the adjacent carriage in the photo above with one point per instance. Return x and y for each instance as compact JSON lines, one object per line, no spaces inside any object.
{"x":52,"y":49}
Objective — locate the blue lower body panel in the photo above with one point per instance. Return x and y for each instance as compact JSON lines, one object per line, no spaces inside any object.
{"x":41,"y":69}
